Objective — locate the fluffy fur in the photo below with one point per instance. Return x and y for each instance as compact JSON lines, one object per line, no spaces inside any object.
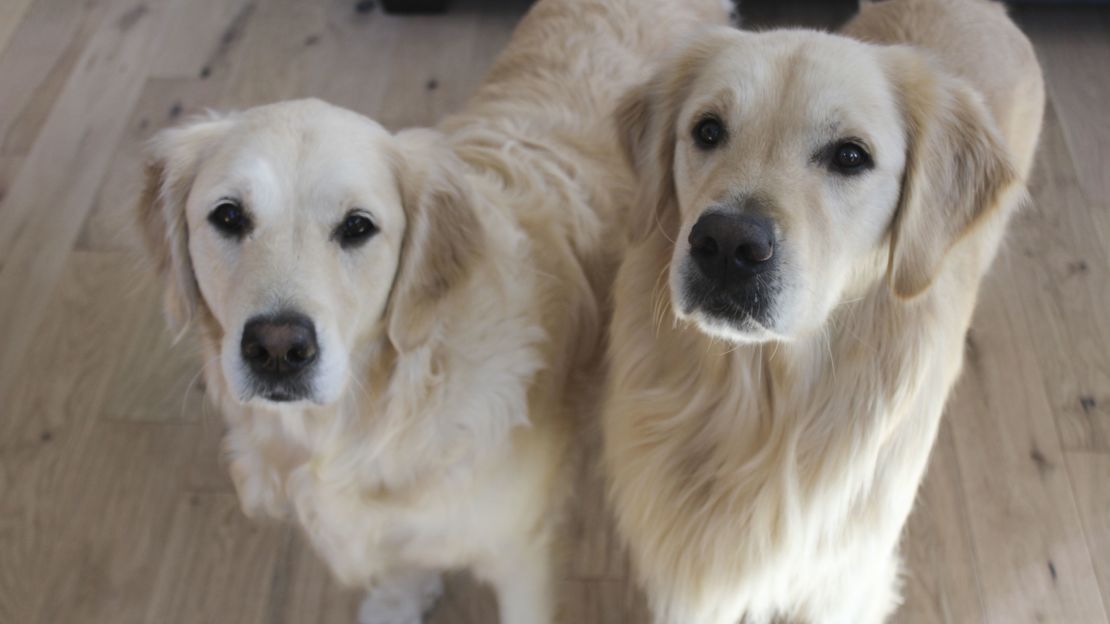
{"x":764,"y":471}
{"x":458,"y":345}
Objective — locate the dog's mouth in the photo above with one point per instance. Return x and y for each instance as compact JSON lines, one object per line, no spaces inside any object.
{"x":740,"y":306}
{"x":281,"y":396}
{"x":738,"y":314}
{"x":285,"y":392}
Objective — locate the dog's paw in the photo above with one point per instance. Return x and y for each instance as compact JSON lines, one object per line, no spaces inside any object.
{"x":402,"y":600}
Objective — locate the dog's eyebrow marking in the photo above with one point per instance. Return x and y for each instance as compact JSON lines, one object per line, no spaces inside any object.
{"x":833,"y":133}
{"x":830,"y":130}
{"x":716,"y":105}
{"x":827,"y":138}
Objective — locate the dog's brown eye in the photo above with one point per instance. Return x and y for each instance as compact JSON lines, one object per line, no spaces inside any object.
{"x":851,"y":158}
{"x":709,"y":133}
{"x":355,"y":229}
{"x":229,"y":218}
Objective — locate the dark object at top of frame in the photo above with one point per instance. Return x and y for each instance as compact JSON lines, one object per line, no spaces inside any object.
{"x":415,"y":6}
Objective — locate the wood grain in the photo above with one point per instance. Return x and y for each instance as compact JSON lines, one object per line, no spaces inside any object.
{"x":194,"y":583}
{"x":1072,"y":47}
{"x":1057,"y":250}
{"x":48,"y":202}
{"x":11,"y":14}
{"x":1090,"y":474}
{"x":1025,"y":530}
{"x":942,"y":579}
{"x":162,"y":102}
{"x":62,"y":474}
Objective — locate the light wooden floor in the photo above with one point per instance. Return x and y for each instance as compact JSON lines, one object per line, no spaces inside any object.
{"x":113,"y":504}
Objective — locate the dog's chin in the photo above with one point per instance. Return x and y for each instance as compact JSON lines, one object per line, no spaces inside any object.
{"x":726,"y":322}
{"x":736,"y":330}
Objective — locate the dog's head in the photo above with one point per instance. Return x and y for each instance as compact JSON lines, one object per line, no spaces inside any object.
{"x":789,"y":167}
{"x":300,"y":235}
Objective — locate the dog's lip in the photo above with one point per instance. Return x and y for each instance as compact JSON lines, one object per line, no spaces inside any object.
{"x":281,"y":395}
{"x":719,"y":305}
{"x":718,"y":309}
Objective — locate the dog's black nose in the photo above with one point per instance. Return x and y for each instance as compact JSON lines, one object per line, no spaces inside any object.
{"x":726,"y":245}
{"x":279,"y":346}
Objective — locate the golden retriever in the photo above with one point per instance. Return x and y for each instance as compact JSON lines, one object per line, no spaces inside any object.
{"x":396,"y":325}
{"x":816,"y":214}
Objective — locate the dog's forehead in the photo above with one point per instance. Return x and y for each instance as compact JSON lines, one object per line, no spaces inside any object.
{"x":308,"y":133}
{"x":813,"y":77}
{"x":308,"y":154}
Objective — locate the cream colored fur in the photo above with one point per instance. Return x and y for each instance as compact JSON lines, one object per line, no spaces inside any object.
{"x":766,"y":473}
{"x":460,"y":344}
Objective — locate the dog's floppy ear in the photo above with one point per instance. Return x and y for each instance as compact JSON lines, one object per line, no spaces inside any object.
{"x":172,"y":158}
{"x":443,"y":237}
{"x":646,"y":135}
{"x":646,"y":130}
{"x":958,"y":170}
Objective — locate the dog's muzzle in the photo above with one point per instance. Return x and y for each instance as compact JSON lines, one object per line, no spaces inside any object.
{"x":280,"y":352}
{"x":731,"y":269}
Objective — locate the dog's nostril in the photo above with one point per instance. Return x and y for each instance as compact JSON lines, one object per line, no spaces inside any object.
{"x":705,"y":247}
{"x":301,"y":354}
{"x":253,"y":351}
{"x":755,"y":252}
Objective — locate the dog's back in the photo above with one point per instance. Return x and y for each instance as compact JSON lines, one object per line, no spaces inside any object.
{"x":581,"y":55}
{"x":539,"y":132}
{"x":553,"y":91}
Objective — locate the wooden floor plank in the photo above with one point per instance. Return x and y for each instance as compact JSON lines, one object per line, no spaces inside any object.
{"x":1072,"y":45}
{"x":195,"y":582}
{"x":1062,"y":268}
{"x":9,"y":169}
{"x":204,"y":34}
{"x":48,"y":202}
{"x":11,"y":14}
{"x":1034,"y":565}
{"x":941,"y":579}
{"x":273,"y":60}
{"x":42,"y":52}
{"x":47,"y":434}
{"x":64,"y":377}
{"x":311,"y":593}
{"x":167,"y":393}
{"x":442,"y":48}
{"x":208,"y":470}
{"x":358,"y":46}
{"x":110,"y":225}
{"x":125,"y":477}
{"x":1090,"y":474}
